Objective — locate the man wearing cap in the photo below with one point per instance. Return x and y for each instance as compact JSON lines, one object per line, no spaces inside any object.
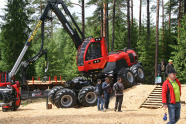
{"x":169,"y":66}
{"x":171,"y":92}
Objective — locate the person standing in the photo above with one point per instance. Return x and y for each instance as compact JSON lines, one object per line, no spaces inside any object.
{"x":118,"y":88}
{"x":107,"y":92}
{"x":99,"y":93}
{"x":171,"y":92}
{"x":161,"y":69}
{"x":169,"y":66}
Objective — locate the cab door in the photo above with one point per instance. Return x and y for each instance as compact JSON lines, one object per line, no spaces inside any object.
{"x":93,"y":57}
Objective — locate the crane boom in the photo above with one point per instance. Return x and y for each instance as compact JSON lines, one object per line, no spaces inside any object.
{"x":51,"y":5}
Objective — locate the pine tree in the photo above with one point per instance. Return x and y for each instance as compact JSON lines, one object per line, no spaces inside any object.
{"x":157,"y":38}
{"x":0,"y":49}
{"x":170,"y":32}
{"x":113,"y":22}
{"x":120,"y":30}
{"x":148,"y":19}
{"x":14,"y":32}
{"x":146,"y":54}
{"x":128,"y":23}
{"x":140,"y":9}
{"x":179,"y":54}
{"x":94,"y":22}
{"x":62,"y":56}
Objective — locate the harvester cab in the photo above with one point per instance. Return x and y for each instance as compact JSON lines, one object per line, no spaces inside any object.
{"x":92,"y":55}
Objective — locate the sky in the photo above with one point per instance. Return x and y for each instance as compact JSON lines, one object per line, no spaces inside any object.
{"x":89,"y":10}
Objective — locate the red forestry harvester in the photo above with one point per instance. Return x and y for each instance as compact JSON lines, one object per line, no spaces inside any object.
{"x":93,"y":61}
{"x":9,"y":93}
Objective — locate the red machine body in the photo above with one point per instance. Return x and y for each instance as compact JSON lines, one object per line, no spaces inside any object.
{"x":93,"y":56}
{"x":124,"y":55}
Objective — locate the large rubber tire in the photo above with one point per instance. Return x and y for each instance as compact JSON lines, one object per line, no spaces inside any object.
{"x":76,"y":79}
{"x":65,"y":98}
{"x":127,"y":77}
{"x":52,"y":92}
{"x":138,"y":73}
{"x":24,"y":88}
{"x":87,"y":97}
{"x":5,"y":109}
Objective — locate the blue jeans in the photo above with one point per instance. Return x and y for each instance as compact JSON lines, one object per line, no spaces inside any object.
{"x":174,"y":112}
{"x":100,"y":101}
{"x":107,"y":99}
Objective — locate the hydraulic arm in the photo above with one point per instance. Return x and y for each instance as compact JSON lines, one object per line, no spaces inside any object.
{"x":51,"y":5}
{"x":10,"y":96}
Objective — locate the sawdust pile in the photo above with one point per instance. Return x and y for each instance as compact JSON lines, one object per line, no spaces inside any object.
{"x":36,"y":112}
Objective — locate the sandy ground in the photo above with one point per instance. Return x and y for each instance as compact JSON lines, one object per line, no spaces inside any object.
{"x":36,"y":112}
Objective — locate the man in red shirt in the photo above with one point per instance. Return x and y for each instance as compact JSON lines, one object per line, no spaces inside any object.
{"x":171,"y":92}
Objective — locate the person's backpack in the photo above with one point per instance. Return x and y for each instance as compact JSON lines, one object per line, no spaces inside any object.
{"x":116,"y":87}
{"x":96,"y":91}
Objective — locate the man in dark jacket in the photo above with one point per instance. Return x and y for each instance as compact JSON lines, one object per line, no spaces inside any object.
{"x":169,"y":66}
{"x":118,"y":94}
{"x":171,"y":92}
{"x":99,"y":95}
{"x":107,"y":91}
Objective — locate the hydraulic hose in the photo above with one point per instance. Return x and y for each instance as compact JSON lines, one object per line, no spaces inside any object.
{"x":30,"y":60}
{"x":42,"y":42}
{"x":24,"y":83}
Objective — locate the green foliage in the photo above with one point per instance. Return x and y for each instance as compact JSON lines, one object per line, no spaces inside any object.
{"x":120,"y":28}
{"x":134,"y":34}
{"x":179,"y":53}
{"x":0,"y":45}
{"x":146,"y":55}
{"x":62,"y":56}
{"x":166,"y":49}
{"x":94,"y":22}
{"x":14,"y":32}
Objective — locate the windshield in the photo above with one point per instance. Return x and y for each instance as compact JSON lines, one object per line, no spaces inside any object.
{"x":94,"y":51}
{"x":80,"y":55}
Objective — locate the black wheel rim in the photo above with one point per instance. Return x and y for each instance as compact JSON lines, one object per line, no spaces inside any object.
{"x":130,"y":77}
{"x":66,"y":100}
{"x":140,"y":73}
{"x":90,"y":97}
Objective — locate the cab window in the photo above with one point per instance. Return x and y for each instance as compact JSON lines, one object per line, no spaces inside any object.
{"x":3,"y":77}
{"x":93,"y":51}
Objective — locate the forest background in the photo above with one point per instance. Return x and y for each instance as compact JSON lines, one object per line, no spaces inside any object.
{"x":112,"y":19}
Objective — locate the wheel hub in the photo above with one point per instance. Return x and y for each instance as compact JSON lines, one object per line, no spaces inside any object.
{"x":140,"y":73}
{"x":130,"y":77}
{"x":90,"y":97}
{"x":66,"y":100}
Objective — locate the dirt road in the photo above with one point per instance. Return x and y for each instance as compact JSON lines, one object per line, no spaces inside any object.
{"x":36,"y":112}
